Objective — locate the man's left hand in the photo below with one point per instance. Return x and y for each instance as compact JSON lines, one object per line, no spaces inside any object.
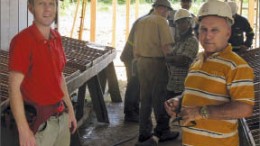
{"x":72,"y":122}
{"x":190,"y":113}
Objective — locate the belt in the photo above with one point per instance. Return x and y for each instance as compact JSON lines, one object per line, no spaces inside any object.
{"x":58,"y":114}
{"x":60,"y":110}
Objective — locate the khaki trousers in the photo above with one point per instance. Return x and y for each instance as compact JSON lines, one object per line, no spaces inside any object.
{"x":55,"y":132}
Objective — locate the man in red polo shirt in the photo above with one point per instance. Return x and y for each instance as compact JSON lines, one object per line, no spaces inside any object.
{"x":36,"y":63}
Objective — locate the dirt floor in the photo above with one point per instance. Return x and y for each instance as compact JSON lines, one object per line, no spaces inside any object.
{"x":117,"y":132}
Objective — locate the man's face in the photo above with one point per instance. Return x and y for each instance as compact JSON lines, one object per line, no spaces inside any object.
{"x":214,"y":33}
{"x":185,"y":4}
{"x":44,"y":12}
{"x":165,"y":12}
{"x":183,"y":25}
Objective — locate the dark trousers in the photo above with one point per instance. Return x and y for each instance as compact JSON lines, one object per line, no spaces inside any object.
{"x":132,"y":94}
{"x":153,"y":77}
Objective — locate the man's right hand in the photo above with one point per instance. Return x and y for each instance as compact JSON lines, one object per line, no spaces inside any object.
{"x":26,"y":137}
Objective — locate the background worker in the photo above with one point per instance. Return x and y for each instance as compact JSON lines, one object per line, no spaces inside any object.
{"x":132,"y":93}
{"x":184,"y":52}
{"x":152,"y":41}
{"x":242,"y":33}
{"x":211,"y":114}
{"x":36,"y":63}
{"x":186,"y":4}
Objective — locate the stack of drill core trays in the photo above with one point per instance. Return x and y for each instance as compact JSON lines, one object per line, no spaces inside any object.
{"x":80,"y":55}
{"x":250,"y":126}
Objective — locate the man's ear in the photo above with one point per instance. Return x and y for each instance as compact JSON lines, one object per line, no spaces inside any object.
{"x":30,"y":7}
{"x":229,"y":32}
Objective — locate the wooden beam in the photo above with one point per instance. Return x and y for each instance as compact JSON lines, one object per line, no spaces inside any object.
{"x":75,"y":18}
{"x":113,"y":83}
{"x":251,"y":12}
{"x":127,"y":18}
{"x":98,"y":99}
{"x":82,"y":19}
{"x":114,"y":3}
{"x":93,"y":21}
{"x":81,"y":101}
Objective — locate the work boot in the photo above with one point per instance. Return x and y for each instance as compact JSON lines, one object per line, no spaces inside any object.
{"x":153,"y":141}
{"x":168,"y":135}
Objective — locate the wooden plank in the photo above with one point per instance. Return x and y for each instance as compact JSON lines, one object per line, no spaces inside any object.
{"x":22,"y":15}
{"x":4,"y":40}
{"x":98,"y":100}
{"x":93,"y":20}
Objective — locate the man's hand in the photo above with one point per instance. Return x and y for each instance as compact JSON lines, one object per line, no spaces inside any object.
{"x":72,"y":122}
{"x":190,"y":113}
{"x":26,"y":137}
{"x":171,"y":106}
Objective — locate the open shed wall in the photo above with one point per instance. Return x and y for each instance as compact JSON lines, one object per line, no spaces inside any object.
{"x":14,"y":18}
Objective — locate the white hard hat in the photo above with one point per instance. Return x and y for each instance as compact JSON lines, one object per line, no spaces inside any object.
{"x":182,"y":13}
{"x":216,"y":8}
{"x":233,"y":6}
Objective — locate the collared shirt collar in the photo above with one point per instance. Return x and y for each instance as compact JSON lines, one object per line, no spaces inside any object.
{"x":228,"y":49}
{"x":38,"y":36}
{"x":156,"y":13}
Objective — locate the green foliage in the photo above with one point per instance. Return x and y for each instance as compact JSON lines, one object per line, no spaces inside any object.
{"x":64,"y":4}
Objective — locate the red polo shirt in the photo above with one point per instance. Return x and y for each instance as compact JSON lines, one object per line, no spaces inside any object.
{"x":42,"y":62}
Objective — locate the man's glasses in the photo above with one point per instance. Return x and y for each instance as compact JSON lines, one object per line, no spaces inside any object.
{"x":178,"y":120}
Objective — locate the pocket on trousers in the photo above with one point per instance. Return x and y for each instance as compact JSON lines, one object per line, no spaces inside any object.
{"x":42,"y":127}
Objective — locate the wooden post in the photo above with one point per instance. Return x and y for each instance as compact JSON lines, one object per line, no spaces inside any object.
{"x":98,"y":99}
{"x":127,"y":18}
{"x":82,"y":20}
{"x":81,"y":101}
{"x":93,"y":21}
{"x":75,"y":18}
{"x":113,"y":87}
{"x":251,"y":12}
{"x":114,"y":3}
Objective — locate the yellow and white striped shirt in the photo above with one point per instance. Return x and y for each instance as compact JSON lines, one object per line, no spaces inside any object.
{"x":222,"y":77}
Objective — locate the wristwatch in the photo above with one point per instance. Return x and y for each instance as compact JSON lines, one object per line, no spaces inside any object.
{"x":204,"y":112}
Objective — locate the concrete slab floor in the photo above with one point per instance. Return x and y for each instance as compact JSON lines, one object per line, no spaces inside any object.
{"x":116,"y":133}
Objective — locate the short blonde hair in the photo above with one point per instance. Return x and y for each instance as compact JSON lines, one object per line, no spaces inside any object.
{"x":30,"y":2}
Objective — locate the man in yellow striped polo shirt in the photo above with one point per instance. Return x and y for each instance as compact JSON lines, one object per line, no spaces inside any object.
{"x":219,"y":87}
